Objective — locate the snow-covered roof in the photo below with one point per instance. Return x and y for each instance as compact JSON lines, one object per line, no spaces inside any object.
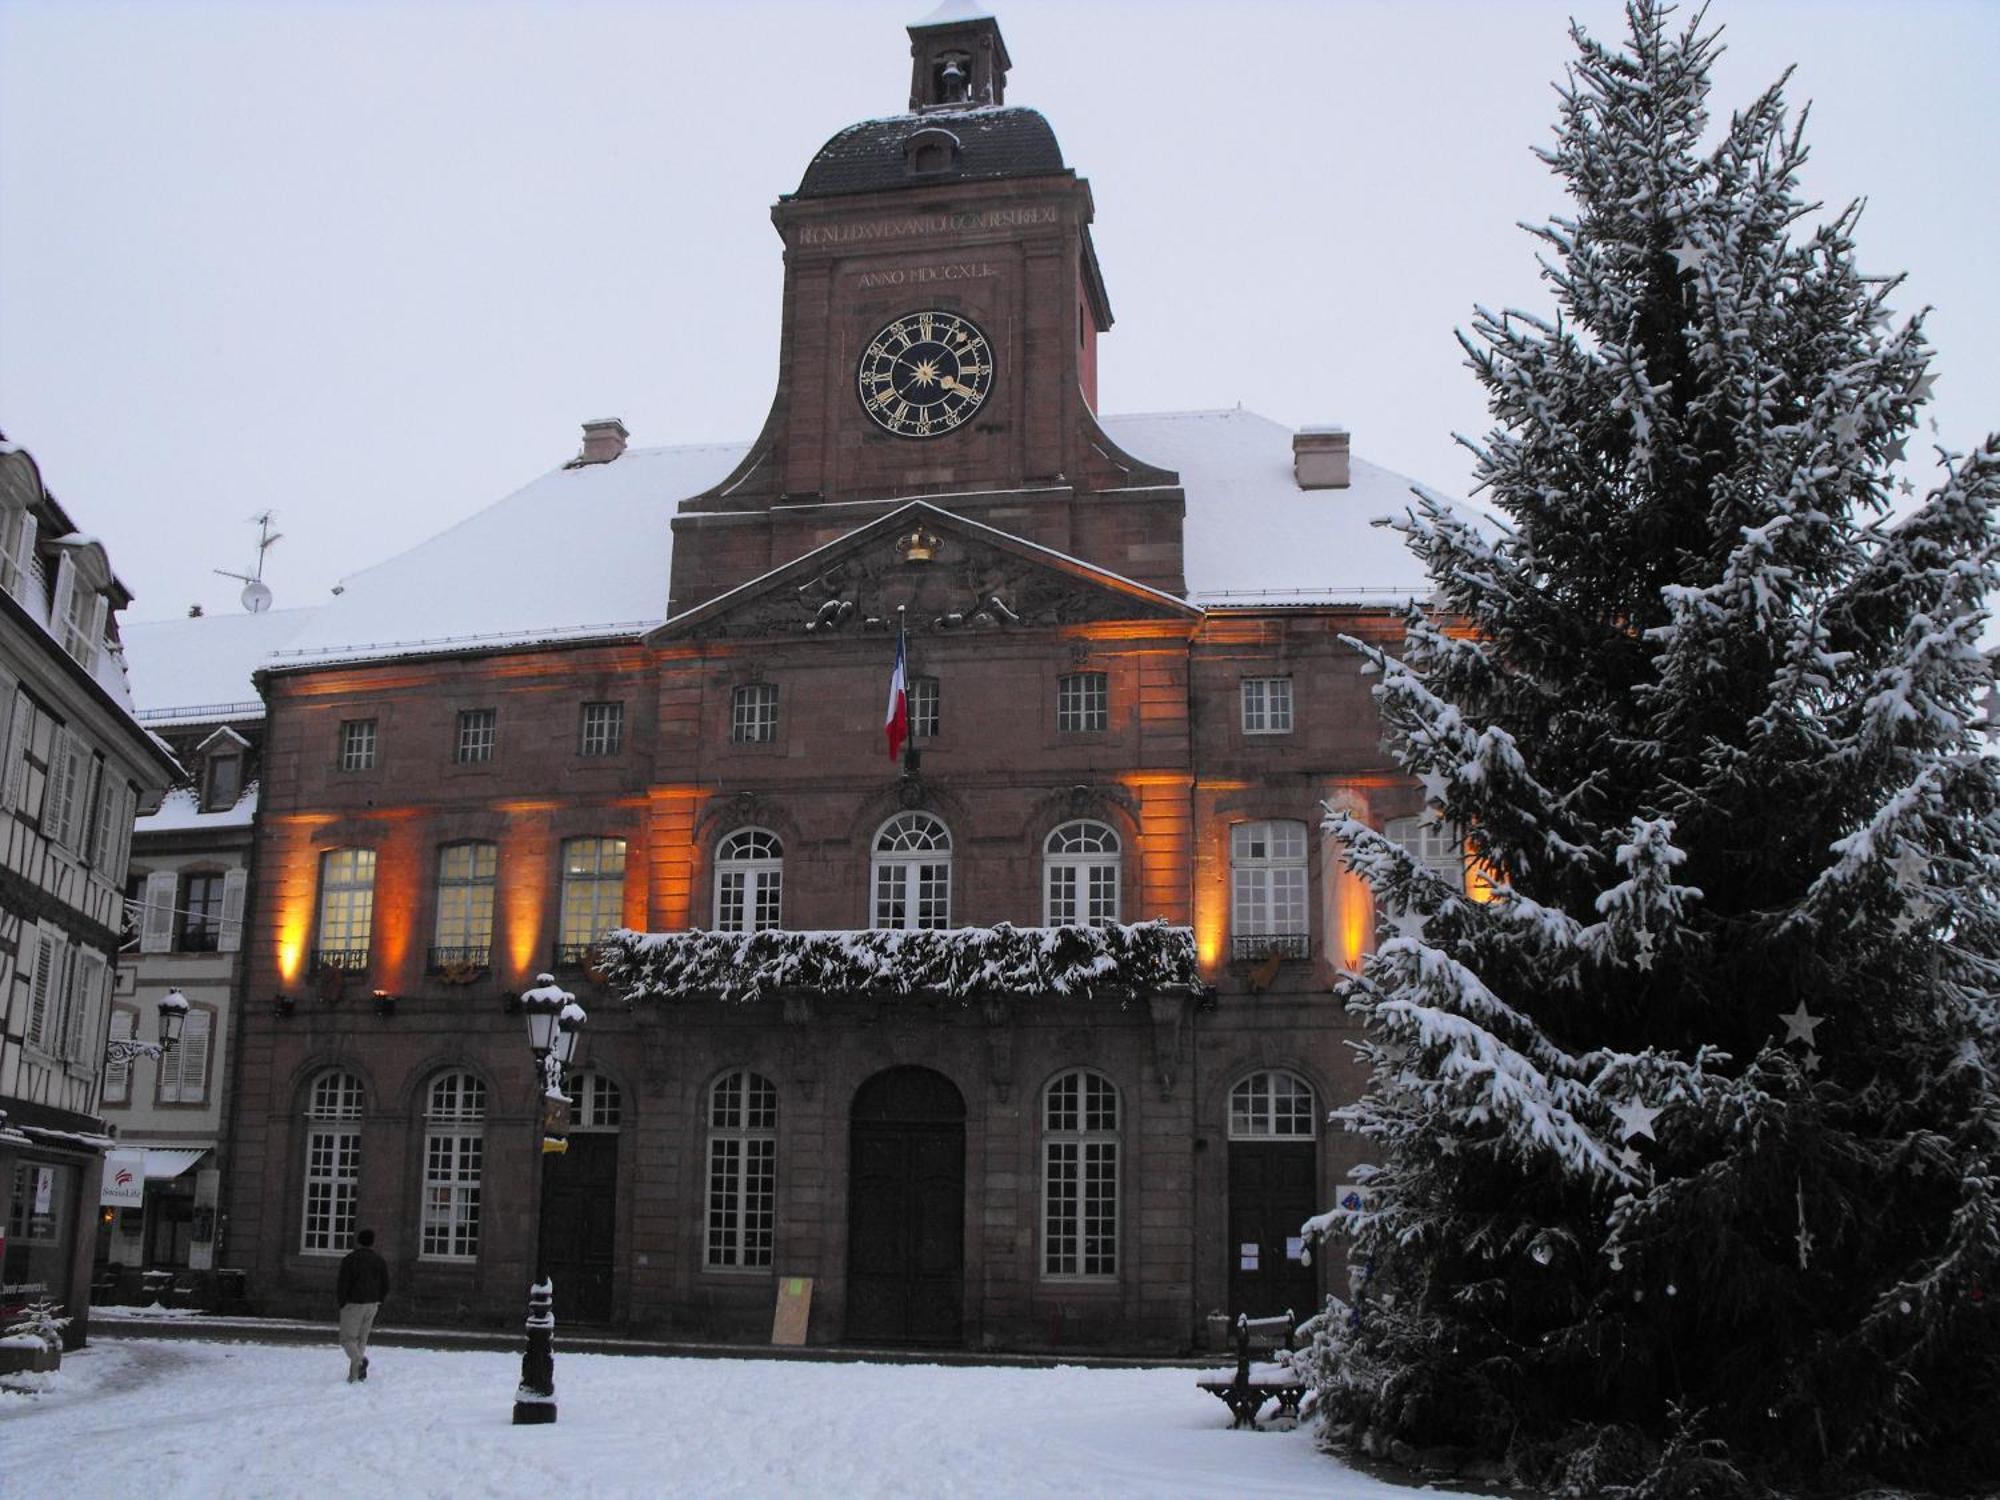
{"x":181,"y":812}
{"x":582,"y":552}
{"x":1253,"y":536}
{"x":193,"y":671}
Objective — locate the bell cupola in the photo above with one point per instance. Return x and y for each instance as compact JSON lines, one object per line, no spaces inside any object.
{"x":957,"y":60}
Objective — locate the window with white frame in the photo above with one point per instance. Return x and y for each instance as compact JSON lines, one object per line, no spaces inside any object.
{"x":912,"y":873}
{"x":17,"y":552}
{"x":1273,"y":1106}
{"x":1267,"y":705}
{"x":1083,"y":702}
{"x":1080,"y":876}
{"x":749,"y":881}
{"x":183,"y":1070}
{"x":357,"y":744}
{"x":1267,"y":863}
{"x":1432,"y":844}
{"x":333,"y":1163}
{"x":593,"y":894}
{"x":466,"y":877}
{"x":594,"y":1102}
{"x":48,"y":970}
{"x":923,"y":704}
{"x":478,"y":730}
{"x":742,"y":1170}
{"x":603,"y":731}
{"x":34,"y":745}
{"x":454,"y":1152}
{"x":753,"y":713}
{"x":346,"y":908}
{"x":79,"y":606}
{"x":1080,"y":1176}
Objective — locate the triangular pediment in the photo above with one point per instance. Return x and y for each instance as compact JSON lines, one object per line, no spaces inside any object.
{"x":941,"y":571}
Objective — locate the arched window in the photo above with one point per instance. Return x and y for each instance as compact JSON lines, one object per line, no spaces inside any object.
{"x":593,"y":895}
{"x":333,"y":1162}
{"x":454,"y":1153}
{"x":346,"y":908}
{"x":595,"y":1103}
{"x":1080,"y":881}
{"x":742,"y":1170}
{"x":913,"y":872}
{"x":1080,"y":1176}
{"x":465,"y":882}
{"x":749,"y":881}
{"x":1267,"y":863}
{"x":1272,"y":1107}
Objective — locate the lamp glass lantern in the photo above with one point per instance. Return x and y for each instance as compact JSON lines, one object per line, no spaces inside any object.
{"x":173,"y":1016}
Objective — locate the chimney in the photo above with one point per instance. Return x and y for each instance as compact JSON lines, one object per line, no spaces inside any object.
{"x":1319,"y":458}
{"x":603,"y":440}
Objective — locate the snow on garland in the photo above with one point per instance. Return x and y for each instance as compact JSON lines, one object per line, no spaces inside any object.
{"x":962,"y":964}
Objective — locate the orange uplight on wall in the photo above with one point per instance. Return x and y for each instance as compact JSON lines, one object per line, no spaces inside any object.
{"x":1356,"y":905}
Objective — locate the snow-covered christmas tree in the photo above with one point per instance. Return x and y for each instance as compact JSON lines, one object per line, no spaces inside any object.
{"x":1686,"y":1117}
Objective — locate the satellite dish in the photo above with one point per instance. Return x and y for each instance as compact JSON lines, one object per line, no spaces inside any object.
{"x":256,"y":597}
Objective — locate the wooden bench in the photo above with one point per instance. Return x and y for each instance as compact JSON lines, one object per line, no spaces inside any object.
{"x":1257,"y":1382}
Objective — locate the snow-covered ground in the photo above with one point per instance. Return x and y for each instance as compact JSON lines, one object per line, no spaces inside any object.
{"x":168,"y":1418}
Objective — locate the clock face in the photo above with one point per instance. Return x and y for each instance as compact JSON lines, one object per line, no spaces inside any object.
{"x":925,"y":374}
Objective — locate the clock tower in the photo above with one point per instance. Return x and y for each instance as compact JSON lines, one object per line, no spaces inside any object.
{"x":942,"y":306}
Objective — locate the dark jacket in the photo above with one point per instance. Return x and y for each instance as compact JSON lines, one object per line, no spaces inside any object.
{"x":364,"y":1277}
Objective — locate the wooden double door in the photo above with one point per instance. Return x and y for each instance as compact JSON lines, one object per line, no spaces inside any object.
{"x":906,"y":1210}
{"x":1272,"y":1191}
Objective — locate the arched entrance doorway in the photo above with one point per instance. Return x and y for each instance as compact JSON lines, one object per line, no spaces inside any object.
{"x":906,"y":1210}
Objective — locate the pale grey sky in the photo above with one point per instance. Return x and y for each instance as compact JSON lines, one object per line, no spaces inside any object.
{"x":370,"y":264}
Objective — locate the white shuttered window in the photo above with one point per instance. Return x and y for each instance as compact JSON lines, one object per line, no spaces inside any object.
{"x":184,"y":1071}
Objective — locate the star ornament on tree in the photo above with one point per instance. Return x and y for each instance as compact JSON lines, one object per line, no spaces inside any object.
{"x":1688,"y":256}
{"x":1921,"y":387}
{"x":1799,"y":1026}
{"x":1910,"y":867}
{"x":1637,"y":1119}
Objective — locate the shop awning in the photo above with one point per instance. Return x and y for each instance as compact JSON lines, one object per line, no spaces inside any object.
{"x":163,"y":1162}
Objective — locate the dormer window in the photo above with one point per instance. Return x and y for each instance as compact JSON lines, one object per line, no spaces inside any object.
{"x":931,"y":151}
{"x":17,"y":551}
{"x":222,"y":755}
{"x":81,"y":602}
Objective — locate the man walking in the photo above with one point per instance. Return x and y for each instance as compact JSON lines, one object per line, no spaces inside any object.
{"x":363,"y":1283}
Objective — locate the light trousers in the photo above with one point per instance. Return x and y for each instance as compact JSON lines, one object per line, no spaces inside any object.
{"x":357,"y":1321}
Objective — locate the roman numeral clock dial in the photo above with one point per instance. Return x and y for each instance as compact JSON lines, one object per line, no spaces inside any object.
{"x":925,"y":374}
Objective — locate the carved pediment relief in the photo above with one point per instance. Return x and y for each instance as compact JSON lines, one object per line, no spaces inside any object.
{"x":940,"y":578}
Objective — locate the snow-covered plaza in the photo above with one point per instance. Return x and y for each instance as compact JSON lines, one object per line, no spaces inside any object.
{"x":171,"y":1418}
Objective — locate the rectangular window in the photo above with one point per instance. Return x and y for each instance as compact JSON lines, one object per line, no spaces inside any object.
{"x":452,"y":1161}
{"x":184,"y":1071}
{"x":200,"y":913}
{"x":1081,"y":1180}
{"x":17,"y":551}
{"x":346,"y":908}
{"x":357,"y":744}
{"x":466,"y":877}
{"x":118,"y":1072}
{"x":476,"y":734}
{"x":753,"y":714}
{"x":603,"y":729}
{"x":333,"y":1171}
{"x":1268,"y":871}
{"x":742,"y":1200}
{"x":1267,"y":705}
{"x":1083,"y":703}
{"x":225,"y":783}
{"x":923,"y":692}
{"x":593,"y":895}
{"x":32,"y":743}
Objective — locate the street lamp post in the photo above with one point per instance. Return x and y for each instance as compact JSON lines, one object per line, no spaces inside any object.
{"x":555,"y":1026}
{"x":173,"y":1016}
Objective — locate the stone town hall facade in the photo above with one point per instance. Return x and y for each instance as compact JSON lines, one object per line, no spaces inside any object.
{"x":1128,"y":699}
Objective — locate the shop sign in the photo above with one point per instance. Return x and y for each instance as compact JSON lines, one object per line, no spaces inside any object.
{"x":124,"y":1180}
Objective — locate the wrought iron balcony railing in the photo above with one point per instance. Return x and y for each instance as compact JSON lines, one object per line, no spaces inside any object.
{"x":1256,"y":945}
{"x":347,"y":960}
{"x":456,"y":960}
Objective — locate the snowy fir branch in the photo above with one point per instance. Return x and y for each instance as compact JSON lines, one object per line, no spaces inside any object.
{"x":963,"y":964}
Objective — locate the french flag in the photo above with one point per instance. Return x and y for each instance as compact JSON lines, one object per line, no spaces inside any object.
{"x":897,"y":722}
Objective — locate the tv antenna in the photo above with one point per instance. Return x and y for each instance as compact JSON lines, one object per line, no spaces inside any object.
{"x":256,"y":594}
